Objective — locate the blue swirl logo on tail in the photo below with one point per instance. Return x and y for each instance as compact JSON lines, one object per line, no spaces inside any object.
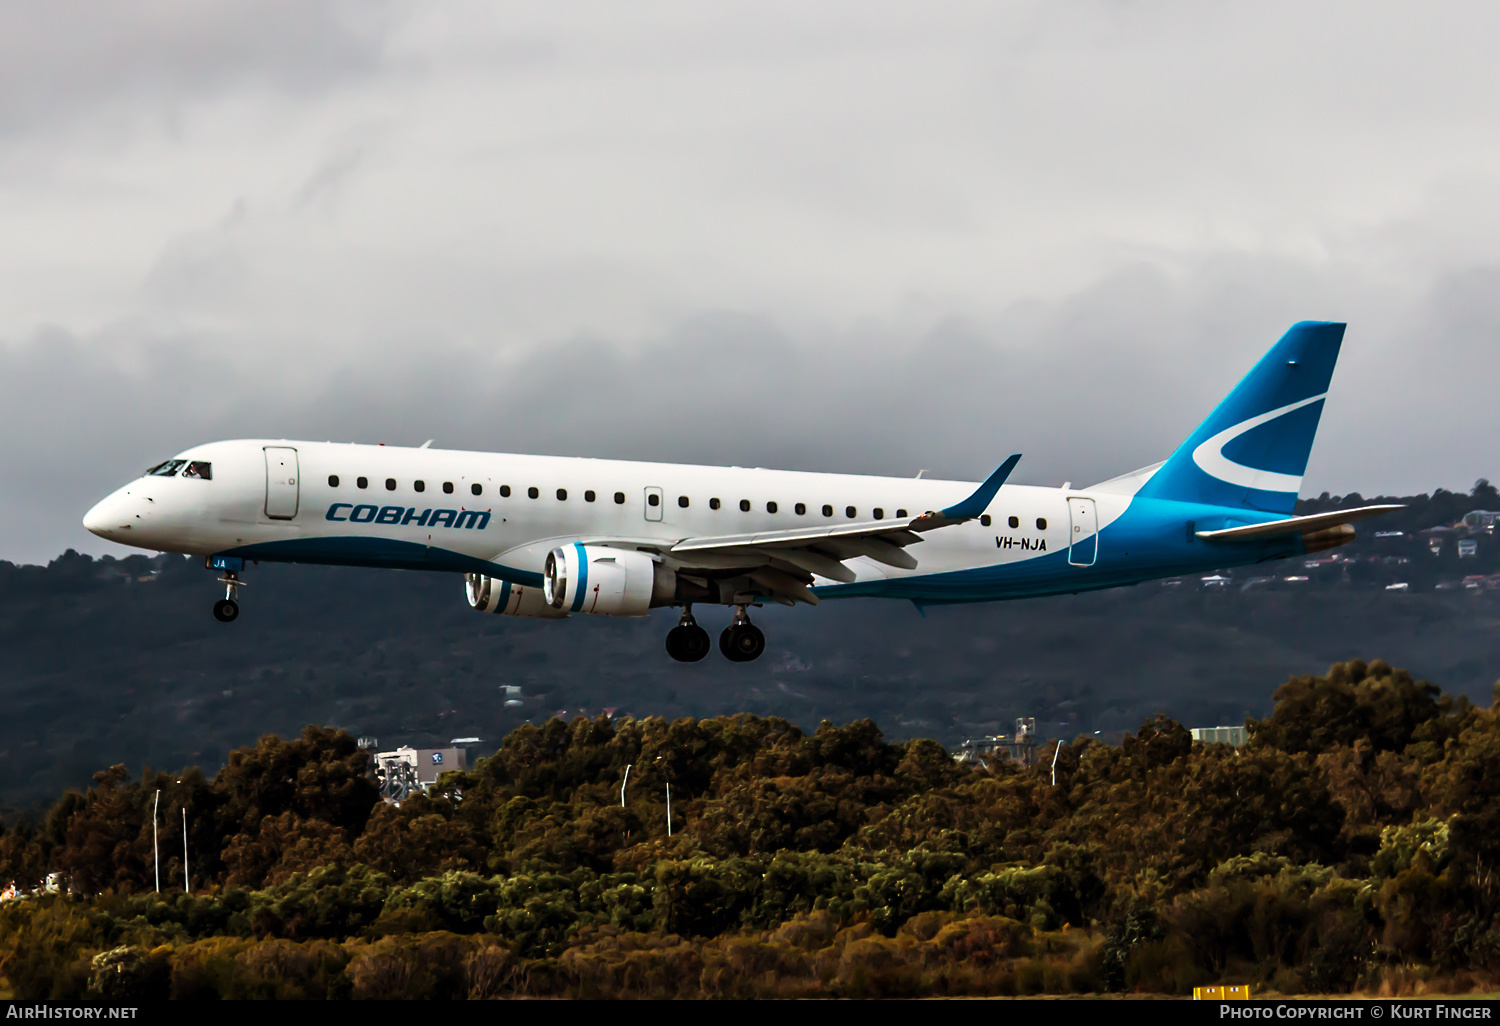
{"x":1252,"y":451}
{"x":1211,"y":460}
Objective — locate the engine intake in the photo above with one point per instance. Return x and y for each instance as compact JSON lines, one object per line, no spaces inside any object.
{"x":492,"y":595}
{"x":605,"y":581}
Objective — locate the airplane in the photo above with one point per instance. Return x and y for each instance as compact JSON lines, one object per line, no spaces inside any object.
{"x":546,"y":536}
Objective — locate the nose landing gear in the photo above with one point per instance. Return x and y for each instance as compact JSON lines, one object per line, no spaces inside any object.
{"x":741,"y":641}
{"x":227,"y":610}
{"x":687,"y":642}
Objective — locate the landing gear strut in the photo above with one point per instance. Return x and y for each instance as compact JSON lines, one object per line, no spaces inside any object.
{"x":687,"y":642}
{"x":741,"y":641}
{"x":227,"y":610}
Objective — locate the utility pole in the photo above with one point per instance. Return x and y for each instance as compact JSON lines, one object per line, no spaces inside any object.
{"x":186,"y":879}
{"x":155,"y":854}
{"x":669,"y":810}
{"x":1054,"y":762}
{"x":624,"y":782}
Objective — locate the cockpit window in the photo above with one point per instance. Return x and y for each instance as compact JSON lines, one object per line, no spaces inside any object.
{"x":200,"y":469}
{"x":166,"y":469}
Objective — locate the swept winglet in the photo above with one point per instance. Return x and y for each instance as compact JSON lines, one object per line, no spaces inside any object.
{"x":971,"y":507}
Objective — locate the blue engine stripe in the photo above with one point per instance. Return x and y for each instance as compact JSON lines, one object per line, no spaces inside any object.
{"x":583,"y":577}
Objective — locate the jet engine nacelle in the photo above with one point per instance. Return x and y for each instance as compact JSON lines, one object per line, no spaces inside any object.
{"x":492,"y":595}
{"x":605,"y":581}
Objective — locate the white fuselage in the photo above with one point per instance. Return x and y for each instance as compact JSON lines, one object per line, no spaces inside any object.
{"x":534,"y":502}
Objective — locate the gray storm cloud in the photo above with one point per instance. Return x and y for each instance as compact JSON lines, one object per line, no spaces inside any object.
{"x":82,"y":59}
{"x":866,"y":238}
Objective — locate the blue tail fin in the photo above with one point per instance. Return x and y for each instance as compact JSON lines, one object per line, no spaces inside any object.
{"x":1251,"y":452}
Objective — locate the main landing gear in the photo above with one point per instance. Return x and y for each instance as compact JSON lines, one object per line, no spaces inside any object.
{"x":687,"y":642}
{"x":741,"y":641}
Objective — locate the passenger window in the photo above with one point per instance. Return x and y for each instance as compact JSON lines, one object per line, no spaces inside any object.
{"x":588,"y":496}
{"x":420,"y":486}
{"x":771,"y":507}
{"x":901,"y":513}
{"x":984,"y":520}
{"x":682,"y":500}
{"x":562,"y":495}
{"x":1041,"y":523}
{"x":850,"y":512}
{"x":199,"y":469}
{"x":447,"y":487}
{"x":333,"y":480}
{"x":619,"y":498}
{"x":504,"y":491}
{"x":744,"y":505}
{"x":1014,"y":522}
{"x":478,"y":489}
{"x":653,"y":499}
{"x":713,"y":503}
{"x":801,"y":508}
{"x":828,"y":511}
{"x":390,"y":484}
{"x":166,"y":469}
{"x":879,"y":513}
{"x":361,"y":482}
{"x":532,"y":492}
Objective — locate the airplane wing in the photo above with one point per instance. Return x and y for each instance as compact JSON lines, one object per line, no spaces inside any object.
{"x":786,"y":561}
{"x":1295,"y":525}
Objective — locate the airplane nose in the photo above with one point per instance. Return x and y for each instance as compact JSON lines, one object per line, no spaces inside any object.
{"x":108,"y":518}
{"x":96,"y":520}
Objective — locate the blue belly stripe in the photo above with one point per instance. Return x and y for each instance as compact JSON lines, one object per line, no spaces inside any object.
{"x":384,"y":553}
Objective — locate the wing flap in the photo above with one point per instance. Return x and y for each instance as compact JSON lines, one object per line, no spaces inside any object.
{"x":817,"y":563}
{"x":782,"y":583}
{"x":895,"y":532}
{"x":822,"y":551}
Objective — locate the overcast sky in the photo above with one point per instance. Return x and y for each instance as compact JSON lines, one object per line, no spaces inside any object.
{"x":844,"y":236}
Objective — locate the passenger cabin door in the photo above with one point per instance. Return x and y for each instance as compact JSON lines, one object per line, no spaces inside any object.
{"x":282,"y":489}
{"x":653,"y":502}
{"x":1083,"y":533}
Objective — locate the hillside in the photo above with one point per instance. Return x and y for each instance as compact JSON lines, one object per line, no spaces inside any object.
{"x":120,"y":662}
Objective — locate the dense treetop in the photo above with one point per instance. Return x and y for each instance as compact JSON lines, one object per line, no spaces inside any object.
{"x":1347,"y":843}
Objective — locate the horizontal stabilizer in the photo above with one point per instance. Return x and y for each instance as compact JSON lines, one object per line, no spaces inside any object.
{"x":1294,"y":525}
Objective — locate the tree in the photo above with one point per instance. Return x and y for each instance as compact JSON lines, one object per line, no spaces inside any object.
{"x":1355,"y":701}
